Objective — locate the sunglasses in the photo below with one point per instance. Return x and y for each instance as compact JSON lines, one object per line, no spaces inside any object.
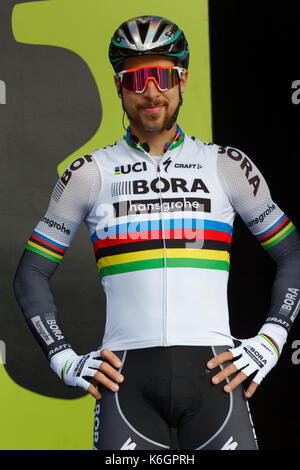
{"x":137,"y":79}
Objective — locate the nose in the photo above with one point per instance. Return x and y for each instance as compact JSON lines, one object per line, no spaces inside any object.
{"x":151,"y":90}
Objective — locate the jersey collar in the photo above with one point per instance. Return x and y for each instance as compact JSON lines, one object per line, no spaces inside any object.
{"x":178,"y":140}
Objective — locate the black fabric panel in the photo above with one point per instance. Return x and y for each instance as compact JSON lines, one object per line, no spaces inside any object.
{"x":254,"y":64}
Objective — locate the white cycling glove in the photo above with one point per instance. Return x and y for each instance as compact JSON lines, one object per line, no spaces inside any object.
{"x":260,"y":353}
{"x":72,"y":368}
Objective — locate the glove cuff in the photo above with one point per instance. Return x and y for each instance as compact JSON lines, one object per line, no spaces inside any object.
{"x":276,"y":336}
{"x":58,"y":361}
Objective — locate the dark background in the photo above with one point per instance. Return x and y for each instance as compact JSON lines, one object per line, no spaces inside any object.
{"x":254,"y":60}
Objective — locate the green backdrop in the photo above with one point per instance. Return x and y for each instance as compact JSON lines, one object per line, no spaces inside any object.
{"x":30,"y":420}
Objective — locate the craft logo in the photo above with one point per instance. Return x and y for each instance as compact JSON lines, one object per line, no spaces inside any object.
{"x":2,"y":352}
{"x":296,"y":94}
{"x":58,"y":349}
{"x":2,"y":92}
{"x":195,"y":166}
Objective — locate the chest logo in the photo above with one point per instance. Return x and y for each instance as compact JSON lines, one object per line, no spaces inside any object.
{"x":162,"y":185}
{"x":195,"y":166}
{"x":125,"y":169}
{"x":166,"y":164}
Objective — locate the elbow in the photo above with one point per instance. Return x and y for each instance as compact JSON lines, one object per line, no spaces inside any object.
{"x":19,"y":282}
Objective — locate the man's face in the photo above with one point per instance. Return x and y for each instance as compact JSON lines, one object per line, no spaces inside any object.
{"x":153,"y":109}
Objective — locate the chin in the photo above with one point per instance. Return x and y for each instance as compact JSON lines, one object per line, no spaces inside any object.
{"x":155,"y":126}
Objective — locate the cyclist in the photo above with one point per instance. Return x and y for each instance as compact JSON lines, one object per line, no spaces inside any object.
{"x":160,"y":207}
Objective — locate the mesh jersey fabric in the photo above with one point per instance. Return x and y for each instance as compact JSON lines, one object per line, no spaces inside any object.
{"x":161,"y":238}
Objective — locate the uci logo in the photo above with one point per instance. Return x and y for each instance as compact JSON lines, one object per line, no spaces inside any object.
{"x":125,"y":169}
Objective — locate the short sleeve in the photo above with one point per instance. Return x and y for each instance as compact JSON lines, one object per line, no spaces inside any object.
{"x":71,"y":200}
{"x":250,"y":196}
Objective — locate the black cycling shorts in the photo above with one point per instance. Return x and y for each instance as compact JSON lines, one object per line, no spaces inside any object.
{"x":167,"y":392}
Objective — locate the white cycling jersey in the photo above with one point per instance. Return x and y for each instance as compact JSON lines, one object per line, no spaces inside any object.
{"x":161,"y":234}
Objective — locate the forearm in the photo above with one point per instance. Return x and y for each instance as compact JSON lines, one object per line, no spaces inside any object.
{"x":285,"y":300}
{"x":33,"y":293}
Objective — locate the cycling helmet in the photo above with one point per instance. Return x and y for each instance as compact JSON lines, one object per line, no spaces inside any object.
{"x":148,"y":35}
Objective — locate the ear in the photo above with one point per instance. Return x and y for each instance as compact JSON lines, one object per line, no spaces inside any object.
{"x":183,"y":80}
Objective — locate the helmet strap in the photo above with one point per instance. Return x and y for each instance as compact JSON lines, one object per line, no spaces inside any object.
{"x":124,"y":110}
{"x":174,"y":118}
{"x":123,"y":120}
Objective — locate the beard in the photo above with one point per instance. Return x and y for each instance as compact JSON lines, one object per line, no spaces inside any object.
{"x":151,"y":122}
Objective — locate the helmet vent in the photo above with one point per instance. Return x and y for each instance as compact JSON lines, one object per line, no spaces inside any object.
{"x":160,"y":30}
{"x":127,"y":33}
{"x":143,"y":30}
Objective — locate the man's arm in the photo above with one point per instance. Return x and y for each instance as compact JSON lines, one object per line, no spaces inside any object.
{"x":35,"y":298}
{"x":71,"y":200}
{"x":249,"y":194}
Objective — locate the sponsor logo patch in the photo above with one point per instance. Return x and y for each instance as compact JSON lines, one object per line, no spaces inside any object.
{"x":67,"y":175}
{"x":245,"y":165}
{"x":126,"y":169}
{"x":262,"y":216}
{"x":152,"y":206}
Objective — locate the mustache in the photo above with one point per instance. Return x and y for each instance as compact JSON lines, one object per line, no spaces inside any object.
{"x":152,"y":104}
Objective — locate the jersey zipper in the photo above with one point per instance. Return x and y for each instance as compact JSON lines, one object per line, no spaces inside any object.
{"x":165,"y":312}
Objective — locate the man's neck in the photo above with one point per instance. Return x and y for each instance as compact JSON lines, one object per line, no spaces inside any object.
{"x":155,"y":140}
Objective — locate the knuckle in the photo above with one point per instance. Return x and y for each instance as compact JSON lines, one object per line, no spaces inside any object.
{"x":96,"y":375}
{"x":99,"y":376}
{"x":103,"y":366}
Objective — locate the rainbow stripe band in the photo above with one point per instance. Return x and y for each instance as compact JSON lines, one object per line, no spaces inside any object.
{"x":276,"y":233}
{"x":135,"y":229}
{"x":131,"y":266}
{"x":130,"y":248}
{"x":272,"y":343}
{"x":178,"y":140}
{"x":63,"y":372}
{"x":46,"y":247}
